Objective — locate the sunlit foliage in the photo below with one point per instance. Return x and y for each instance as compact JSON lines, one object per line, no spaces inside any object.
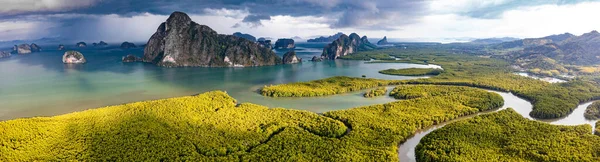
{"x":324,"y":87}
{"x":549,"y":100}
{"x":412,"y":71}
{"x":375,"y":92}
{"x":212,"y":127}
{"x":507,"y":136}
{"x":592,"y":112}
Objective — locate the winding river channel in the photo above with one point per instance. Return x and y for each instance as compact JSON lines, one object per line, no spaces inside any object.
{"x":406,"y":150}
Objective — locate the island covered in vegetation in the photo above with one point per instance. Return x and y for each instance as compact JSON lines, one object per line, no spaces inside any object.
{"x":592,"y":112}
{"x":412,"y":71}
{"x":375,"y":92}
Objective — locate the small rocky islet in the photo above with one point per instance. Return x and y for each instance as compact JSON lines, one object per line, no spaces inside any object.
{"x":73,"y":57}
{"x":291,"y":58}
{"x":26,"y":48}
{"x":127,"y":45}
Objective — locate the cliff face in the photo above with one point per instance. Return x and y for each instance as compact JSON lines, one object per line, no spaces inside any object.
{"x":181,"y":42}
{"x":35,"y":48}
{"x":346,"y":45}
{"x":22,"y":49}
{"x":291,"y":58}
{"x":285,"y":44}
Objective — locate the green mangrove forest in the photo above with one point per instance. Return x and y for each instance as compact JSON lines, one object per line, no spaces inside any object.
{"x":412,"y":71}
{"x":550,"y":100}
{"x":592,"y":112}
{"x":213,"y":127}
{"x":507,"y":136}
{"x":381,"y":91}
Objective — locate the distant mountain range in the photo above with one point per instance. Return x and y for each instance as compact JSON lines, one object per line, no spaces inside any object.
{"x":326,"y":39}
{"x":493,"y":40}
{"x":553,"y":52}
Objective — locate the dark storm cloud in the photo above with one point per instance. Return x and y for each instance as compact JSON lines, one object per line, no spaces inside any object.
{"x":254,"y":20}
{"x":363,"y":14}
{"x":344,"y":13}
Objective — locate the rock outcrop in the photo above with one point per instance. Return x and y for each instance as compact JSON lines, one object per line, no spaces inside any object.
{"x":127,"y":45}
{"x":131,"y":58}
{"x":285,"y":44}
{"x":61,"y":47}
{"x":316,"y":59}
{"x":291,"y":58}
{"x":73,"y":57}
{"x":181,"y":42}
{"x":102,"y":43}
{"x":35,"y":48}
{"x":265,"y":43}
{"x":346,"y":45}
{"x":81,"y":44}
{"x":326,"y":39}
{"x":22,"y":49}
{"x":4,"y":54}
{"x":245,"y":36}
{"x":383,"y":41}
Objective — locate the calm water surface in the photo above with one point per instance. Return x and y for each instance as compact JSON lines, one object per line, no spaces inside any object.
{"x":39,"y":84}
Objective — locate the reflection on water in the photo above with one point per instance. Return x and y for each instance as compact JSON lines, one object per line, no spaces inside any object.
{"x":39,"y":84}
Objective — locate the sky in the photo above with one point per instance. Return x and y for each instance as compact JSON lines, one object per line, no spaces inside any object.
{"x":411,"y":20}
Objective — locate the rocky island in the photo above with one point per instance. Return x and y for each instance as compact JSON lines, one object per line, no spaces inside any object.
{"x":22,"y":49}
{"x":81,"y":44}
{"x":73,"y":57}
{"x":383,"y":41}
{"x":346,"y":45}
{"x":285,"y":44}
{"x":35,"y":48}
{"x":61,"y":47}
{"x":4,"y":54}
{"x":100,"y":44}
{"x":291,"y":58}
{"x":182,"y":42}
{"x":265,"y":43}
{"x":127,"y":45}
{"x":131,"y":58}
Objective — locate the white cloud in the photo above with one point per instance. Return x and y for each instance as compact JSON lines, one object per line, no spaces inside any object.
{"x":26,"y":6}
{"x":239,"y":14}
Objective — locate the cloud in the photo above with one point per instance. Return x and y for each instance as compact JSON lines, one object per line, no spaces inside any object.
{"x":226,"y":12}
{"x":254,"y":20}
{"x":14,"y":7}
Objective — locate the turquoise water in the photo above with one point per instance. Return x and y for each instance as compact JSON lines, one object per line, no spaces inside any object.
{"x":39,"y":84}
